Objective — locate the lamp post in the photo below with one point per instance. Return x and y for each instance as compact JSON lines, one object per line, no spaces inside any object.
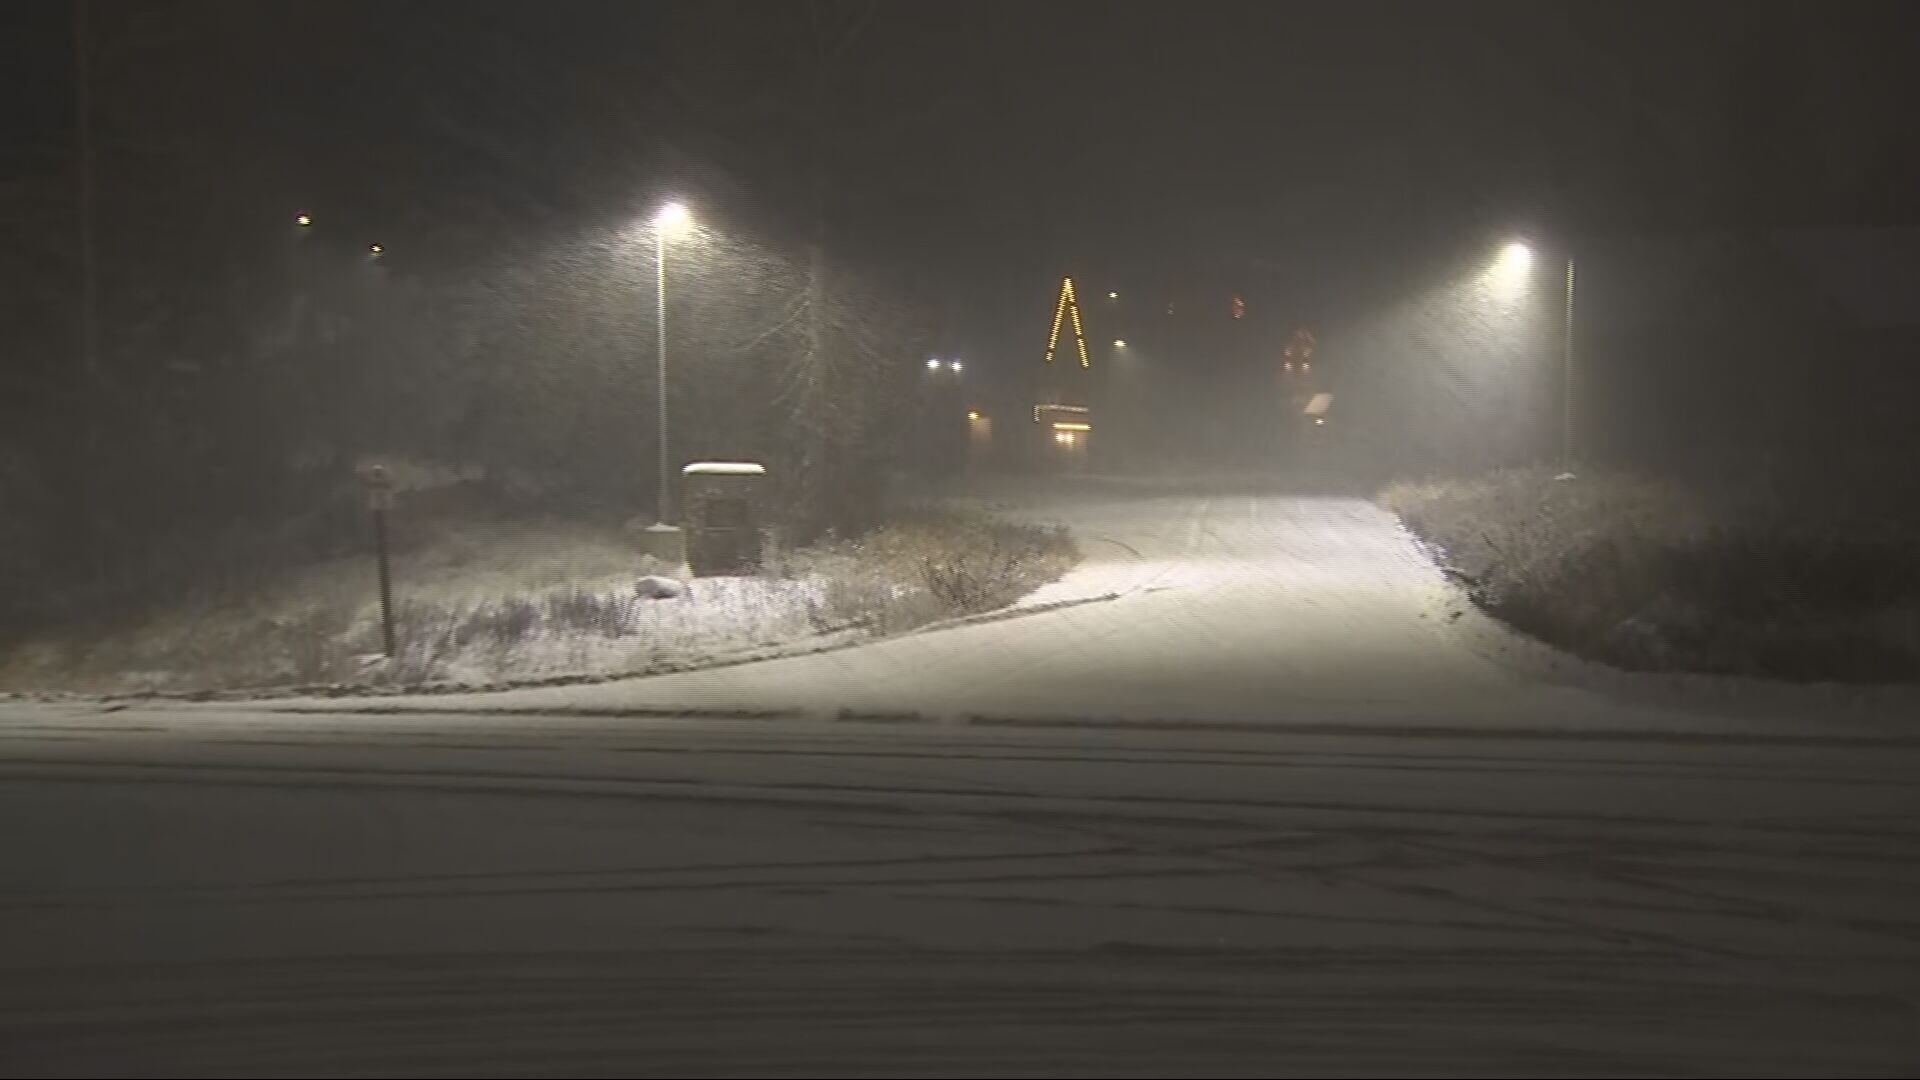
{"x":1512,"y":270}
{"x":672,"y":217}
{"x":1566,"y":381}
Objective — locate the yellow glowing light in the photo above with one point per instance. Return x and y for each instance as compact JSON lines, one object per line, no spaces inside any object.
{"x":1113,"y":296}
{"x":375,"y":249}
{"x":1059,"y":311}
{"x":971,"y":415}
{"x":1068,"y":304}
{"x":1119,"y":343}
{"x":303,"y":220}
{"x":1071,"y":425}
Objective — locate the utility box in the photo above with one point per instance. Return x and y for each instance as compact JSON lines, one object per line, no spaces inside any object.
{"x":723,"y":508}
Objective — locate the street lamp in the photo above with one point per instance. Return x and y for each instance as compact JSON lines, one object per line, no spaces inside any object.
{"x":1510,"y":274}
{"x":671,"y":218}
{"x":955,"y":366}
{"x":1119,"y":343}
{"x":933,"y":363}
{"x":1511,"y":271}
{"x":303,"y":220}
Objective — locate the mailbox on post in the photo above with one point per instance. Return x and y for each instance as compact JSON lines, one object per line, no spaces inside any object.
{"x":722,"y":501}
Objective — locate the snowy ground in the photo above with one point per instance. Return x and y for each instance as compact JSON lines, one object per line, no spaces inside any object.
{"x":1275,"y":809}
{"x":1246,"y":609}
{"x":235,"y":893}
{"x":612,"y":629}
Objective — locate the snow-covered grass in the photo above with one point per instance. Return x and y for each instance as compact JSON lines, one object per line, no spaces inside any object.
{"x":489,"y":601}
{"x":311,"y":623}
{"x":930,"y":564}
{"x":1652,"y":575}
{"x":589,"y":631}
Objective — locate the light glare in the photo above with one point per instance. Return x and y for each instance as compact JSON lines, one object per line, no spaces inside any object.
{"x":1509,"y":274}
{"x":672,"y":217}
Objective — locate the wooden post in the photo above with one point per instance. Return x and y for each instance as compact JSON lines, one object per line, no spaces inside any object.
{"x":380,"y":500}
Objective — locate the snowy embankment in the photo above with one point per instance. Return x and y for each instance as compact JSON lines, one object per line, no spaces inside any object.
{"x":924,"y":567}
{"x":484,"y":604}
{"x":611,"y":630}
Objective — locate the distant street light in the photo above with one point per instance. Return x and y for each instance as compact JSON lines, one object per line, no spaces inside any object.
{"x":1119,"y":343}
{"x":955,"y":367}
{"x":1113,"y":296}
{"x":303,"y":220}
{"x":671,"y":218}
{"x":933,"y":363}
{"x":376,"y":249}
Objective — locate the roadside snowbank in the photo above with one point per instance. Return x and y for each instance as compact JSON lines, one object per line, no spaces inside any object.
{"x":618,"y":630}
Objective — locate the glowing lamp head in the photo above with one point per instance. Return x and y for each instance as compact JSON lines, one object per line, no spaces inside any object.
{"x":1510,"y":272}
{"x":303,"y":220}
{"x":933,"y":363}
{"x":955,"y":366}
{"x":1113,"y":296}
{"x":376,"y":249}
{"x":972,"y":415}
{"x":672,"y":217}
{"x":1119,"y":343}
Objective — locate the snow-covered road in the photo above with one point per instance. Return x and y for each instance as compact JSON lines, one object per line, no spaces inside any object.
{"x":235,"y":892}
{"x":1274,"y":810}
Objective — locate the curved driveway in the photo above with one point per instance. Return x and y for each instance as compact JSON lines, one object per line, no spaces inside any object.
{"x":1230,"y":608}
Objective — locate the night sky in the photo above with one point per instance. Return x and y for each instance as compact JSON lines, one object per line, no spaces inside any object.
{"x":984,"y":148}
